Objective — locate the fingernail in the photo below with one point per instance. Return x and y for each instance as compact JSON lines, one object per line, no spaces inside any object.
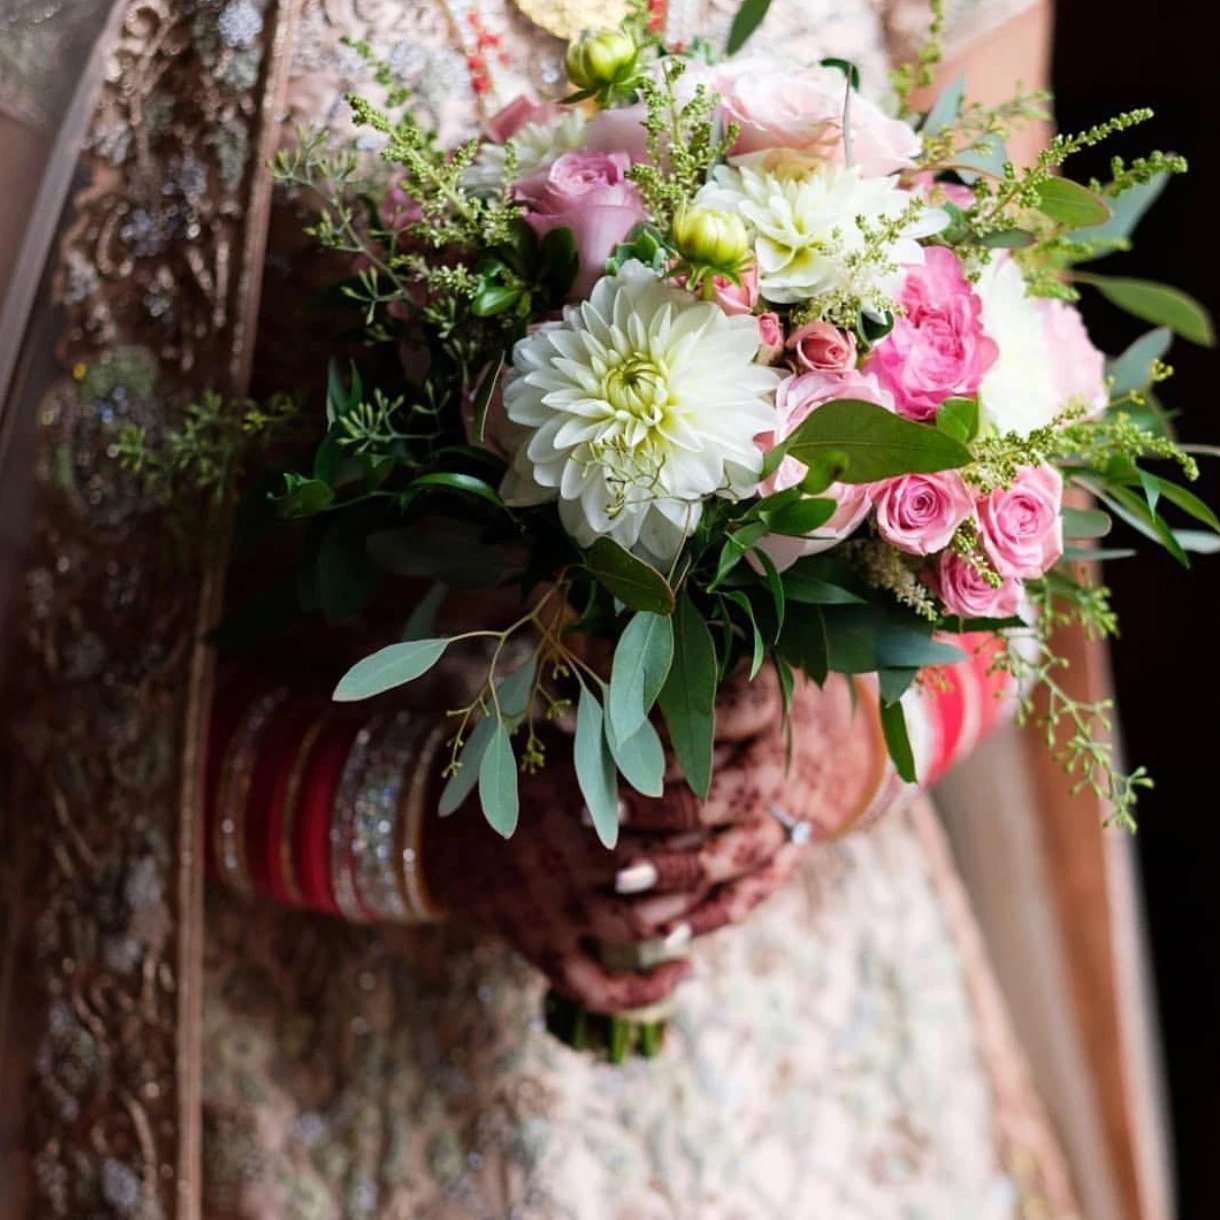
{"x":679,"y":938}
{"x":637,"y":879}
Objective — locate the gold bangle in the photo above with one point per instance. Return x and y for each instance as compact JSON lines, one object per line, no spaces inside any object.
{"x":885,"y":783}
{"x":420,"y":905}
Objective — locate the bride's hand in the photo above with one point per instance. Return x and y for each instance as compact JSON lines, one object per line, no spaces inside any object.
{"x":728,"y":854}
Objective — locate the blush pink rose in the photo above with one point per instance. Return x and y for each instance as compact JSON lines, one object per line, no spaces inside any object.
{"x":920,"y":513}
{"x":1022,"y":530}
{"x":770,"y":338}
{"x":803,"y":110}
{"x":820,"y":347}
{"x":796,"y":398}
{"x":520,"y":112}
{"x":938,"y":348}
{"x":1078,"y":369}
{"x":589,"y":193}
{"x":619,"y":130}
{"x":734,"y":299}
{"x":964,"y":590}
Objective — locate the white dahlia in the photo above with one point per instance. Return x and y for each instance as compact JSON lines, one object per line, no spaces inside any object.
{"x":537,"y":146}
{"x":823,"y":230}
{"x":1019,"y":392}
{"x":634,"y":409}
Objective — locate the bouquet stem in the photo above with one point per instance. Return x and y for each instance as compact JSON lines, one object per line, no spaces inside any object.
{"x":614,"y":1037}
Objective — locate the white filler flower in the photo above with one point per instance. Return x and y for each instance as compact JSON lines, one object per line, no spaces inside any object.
{"x":537,"y":145}
{"x":1018,"y":393}
{"x":642,"y":403}
{"x":822,"y":230}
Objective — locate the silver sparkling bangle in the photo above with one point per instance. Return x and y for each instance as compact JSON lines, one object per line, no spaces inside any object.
{"x":343,"y":821}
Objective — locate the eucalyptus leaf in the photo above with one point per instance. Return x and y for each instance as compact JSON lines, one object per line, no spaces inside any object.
{"x":498,"y":792}
{"x":461,"y":783}
{"x":1007,"y":239}
{"x":383,"y":670}
{"x":987,"y":158}
{"x":422,"y":622}
{"x":946,"y":107}
{"x":1127,"y":210}
{"x":1198,"y":541}
{"x":1133,"y":369}
{"x":642,"y":659}
{"x":894,"y":683}
{"x":635,"y":583}
{"x":595,"y":771}
{"x":878,"y":444}
{"x":1156,"y":303}
{"x":688,"y":698}
{"x":640,"y":758}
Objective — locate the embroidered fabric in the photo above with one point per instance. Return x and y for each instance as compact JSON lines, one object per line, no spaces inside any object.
{"x":834,"y":1057}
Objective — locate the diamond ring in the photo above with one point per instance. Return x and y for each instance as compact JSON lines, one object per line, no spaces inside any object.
{"x":798,"y":833}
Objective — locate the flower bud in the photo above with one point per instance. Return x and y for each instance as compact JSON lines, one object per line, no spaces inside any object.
{"x":707,"y":237}
{"x":602,"y":59}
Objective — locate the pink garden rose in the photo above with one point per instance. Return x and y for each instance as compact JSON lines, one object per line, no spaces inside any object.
{"x":734,"y":299}
{"x":920,"y":513}
{"x":587,"y":192}
{"x":1078,"y":369}
{"x":964,"y":590}
{"x":770,"y":338}
{"x":820,"y":347}
{"x":803,"y":110}
{"x":1022,"y":530}
{"x":520,"y":112}
{"x":795,"y":400}
{"x":938,"y":348}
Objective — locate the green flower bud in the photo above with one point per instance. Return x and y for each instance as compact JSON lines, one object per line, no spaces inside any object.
{"x":707,"y":237}
{"x":602,"y":59}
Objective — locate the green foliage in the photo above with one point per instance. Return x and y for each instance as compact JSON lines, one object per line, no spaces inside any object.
{"x":688,"y":697}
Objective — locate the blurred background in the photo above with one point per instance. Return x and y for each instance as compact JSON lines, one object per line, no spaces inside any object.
{"x":1112,"y":55}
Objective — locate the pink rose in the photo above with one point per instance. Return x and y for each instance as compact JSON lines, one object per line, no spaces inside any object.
{"x":803,"y":110}
{"x":820,"y":347}
{"x":619,"y":130}
{"x":964,"y":590}
{"x":943,"y":192}
{"x":1021,"y":527}
{"x":1078,"y":369}
{"x":587,"y":192}
{"x":770,"y":338}
{"x":796,"y":398}
{"x":920,"y":513}
{"x":938,"y":348}
{"x":520,"y":112}
{"x":734,"y":299}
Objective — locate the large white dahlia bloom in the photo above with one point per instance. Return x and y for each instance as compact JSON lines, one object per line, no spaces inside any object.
{"x":822,"y":230}
{"x":635,"y":408}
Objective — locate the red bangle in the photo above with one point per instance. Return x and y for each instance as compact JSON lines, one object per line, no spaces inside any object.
{"x":311,"y":846}
{"x":265,"y":805}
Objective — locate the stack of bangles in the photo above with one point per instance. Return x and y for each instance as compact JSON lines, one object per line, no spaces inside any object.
{"x":319,"y":807}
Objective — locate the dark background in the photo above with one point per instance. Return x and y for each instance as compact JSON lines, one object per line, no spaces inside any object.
{"x":1111,"y":57}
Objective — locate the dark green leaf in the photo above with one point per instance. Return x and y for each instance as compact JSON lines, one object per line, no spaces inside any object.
{"x":595,"y":772}
{"x":877,"y":443}
{"x":642,"y":659}
{"x":688,"y":698}
{"x":739,"y":599}
{"x":444,"y":550}
{"x":894,"y":726}
{"x":811,"y":591}
{"x":346,"y":578}
{"x":749,"y":17}
{"x":803,"y":643}
{"x":1085,"y":523}
{"x":801,"y":518}
{"x":959,"y":418}
{"x":776,"y":586}
{"x":1071,"y":204}
{"x":341,"y":399}
{"x":1135,"y":512}
{"x":1133,"y":369}
{"x":1156,"y":303}
{"x":304,"y":497}
{"x":394,"y":665}
{"x":452,"y":481}
{"x":634,"y":582}
{"x":493,"y":299}
{"x":735,"y":547}
{"x":846,"y":67}
{"x":1007,"y":239}
{"x":1186,"y":500}
{"x":498,"y":783}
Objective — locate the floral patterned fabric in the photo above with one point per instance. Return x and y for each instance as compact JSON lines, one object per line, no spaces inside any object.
{"x":842,"y":1055}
